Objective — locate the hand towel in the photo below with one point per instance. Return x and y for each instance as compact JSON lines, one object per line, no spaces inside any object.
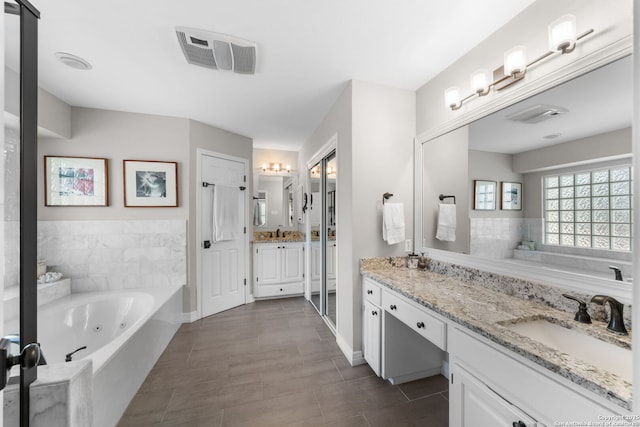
{"x":393,"y":223}
{"x":256,"y":213}
{"x":446,"y":223}
{"x":226,"y":217}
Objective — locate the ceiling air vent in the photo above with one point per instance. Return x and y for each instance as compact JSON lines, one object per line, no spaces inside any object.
{"x":217,"y":51}
{"x":537,"y":113}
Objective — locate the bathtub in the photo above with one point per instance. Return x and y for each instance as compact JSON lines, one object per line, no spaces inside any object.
{"x":124,"y":332}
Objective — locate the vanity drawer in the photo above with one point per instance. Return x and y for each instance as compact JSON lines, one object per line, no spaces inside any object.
{"x":372,"y":291}
{"x":265,"y":291}
{"x":430,"y":327}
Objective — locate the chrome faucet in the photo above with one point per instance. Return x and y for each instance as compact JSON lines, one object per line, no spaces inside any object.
{"x":616,"y":322}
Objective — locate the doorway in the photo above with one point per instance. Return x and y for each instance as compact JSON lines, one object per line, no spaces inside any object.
{"x":221,"y":232}
{"x":323,"y":179}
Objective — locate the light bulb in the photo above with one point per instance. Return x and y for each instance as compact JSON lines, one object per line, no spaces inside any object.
{"x":264,"y":167}
{"x":562,"y":33}
{"x":276,"y":167}
{"x":288,"y":168}
{"x":515,"y":61}
{"x":480,"y":81}
{"x":452,"y":97}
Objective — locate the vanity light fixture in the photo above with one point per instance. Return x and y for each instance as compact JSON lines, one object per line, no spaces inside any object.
{"x":275,"y":168}
{"x":562,"y":39}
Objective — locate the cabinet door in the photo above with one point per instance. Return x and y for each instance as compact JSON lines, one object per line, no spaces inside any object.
{"x":372,"y":334}
{"x":292,"y":263}
{"x":268,"y":265}
{"x":474,"y":404}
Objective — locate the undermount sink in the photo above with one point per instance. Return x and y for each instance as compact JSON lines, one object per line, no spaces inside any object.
{"x":581,"y":346}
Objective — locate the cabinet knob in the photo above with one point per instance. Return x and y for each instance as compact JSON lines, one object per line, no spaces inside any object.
{"x":369,"y":291}
{"x":519,"y":424}
{"x":421,"y":325}
{"x":374,"y":313}
{"x":393,"y":307}
{"x":280,"y":289}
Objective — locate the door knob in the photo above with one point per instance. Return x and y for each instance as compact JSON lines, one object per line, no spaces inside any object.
{"x":375,"y":313}
{"x":421,"y":325}
{"x":207,"y":244}
{"x":393,"y":307}
{"x":29,"y":358}
{"x":519,"y":424}
{"x":369,"y":291}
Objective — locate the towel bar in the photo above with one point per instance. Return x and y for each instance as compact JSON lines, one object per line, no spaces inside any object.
{"x":442,"y":197}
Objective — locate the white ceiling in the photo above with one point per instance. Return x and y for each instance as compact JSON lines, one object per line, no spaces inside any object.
{"x":307,"y":51}
{"x":598,"y":102}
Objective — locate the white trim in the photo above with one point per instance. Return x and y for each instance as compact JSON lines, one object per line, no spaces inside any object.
{"x":189,"y":317}
{"x":247,"y":206}
{"x":581,"y":283}
{"x":401,"y":379}
{"x":328,"y":147}
{"x":353,"y":357}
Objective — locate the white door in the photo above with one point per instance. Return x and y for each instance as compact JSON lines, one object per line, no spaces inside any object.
{"x":222,"y":263}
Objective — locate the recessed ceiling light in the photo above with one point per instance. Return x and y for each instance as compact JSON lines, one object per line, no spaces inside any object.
{"x":73,"y":61}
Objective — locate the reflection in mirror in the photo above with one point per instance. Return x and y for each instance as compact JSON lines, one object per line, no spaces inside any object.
{"x":570,"y":148}
{"x":274,"y":202}
{"x":314,"y":210}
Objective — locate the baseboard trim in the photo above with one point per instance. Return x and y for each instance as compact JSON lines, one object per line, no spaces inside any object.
{"x":189,"y":317}
{"x":401,"y":379}
{"x":353,"y":357}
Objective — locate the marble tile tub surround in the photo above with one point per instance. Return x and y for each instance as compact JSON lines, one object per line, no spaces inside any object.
{"x":476,"y":300}
{"x":115,"y":255}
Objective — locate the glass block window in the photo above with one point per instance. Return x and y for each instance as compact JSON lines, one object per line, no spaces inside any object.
{"x":590,"y":209}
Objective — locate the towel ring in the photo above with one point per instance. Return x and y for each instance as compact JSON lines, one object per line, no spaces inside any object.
{"x":386,"y":196}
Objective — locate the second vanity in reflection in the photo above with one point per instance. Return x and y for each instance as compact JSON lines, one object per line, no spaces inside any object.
{"x":417,"y":322}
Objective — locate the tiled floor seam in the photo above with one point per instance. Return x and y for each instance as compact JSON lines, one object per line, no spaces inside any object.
{"x":166,"y":409}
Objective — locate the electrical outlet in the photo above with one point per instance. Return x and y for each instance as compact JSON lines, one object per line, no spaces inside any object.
{"x":408,"y":247}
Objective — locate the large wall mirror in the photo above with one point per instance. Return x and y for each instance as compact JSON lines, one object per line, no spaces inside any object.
{"x":274,"y":202}
{"x":561,"y":161}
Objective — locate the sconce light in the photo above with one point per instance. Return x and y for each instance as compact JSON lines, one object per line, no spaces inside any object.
{"x":276,"y":167}
{"x":264,"y":167}
{"x":562,"y":34}
{"x":515,"y":61}
{"x":288,"y":168}
{"x":562,"y":38}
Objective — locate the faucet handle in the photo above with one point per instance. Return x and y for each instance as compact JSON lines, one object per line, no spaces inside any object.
{"x":582,"y":315}
{"x":617,"y":272}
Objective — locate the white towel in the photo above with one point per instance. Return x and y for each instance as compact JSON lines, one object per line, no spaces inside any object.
{"x":446,"y":223}
{"x":393,"y":223}
{"x":226,"y":218}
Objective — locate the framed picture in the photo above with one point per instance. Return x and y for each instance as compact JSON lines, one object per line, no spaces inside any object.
{"x":511,"y":199}
{"x":484,"y":195}
{"x":150,"y":184}
{"x":76,"y":181}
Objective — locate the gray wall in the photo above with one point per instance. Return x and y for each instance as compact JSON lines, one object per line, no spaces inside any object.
{"x":375,"y":126}
{"x":445,"y":171}
{"x":496,"y":167}
{"x":118,"y":136}
{"x":609,"y":145}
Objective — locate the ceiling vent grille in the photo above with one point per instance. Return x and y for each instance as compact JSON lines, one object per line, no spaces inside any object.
{"x":217,"y":51}
{"x":537,"y":113}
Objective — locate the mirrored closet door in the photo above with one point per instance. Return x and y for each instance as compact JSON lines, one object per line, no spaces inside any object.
{"x":322,"y":227}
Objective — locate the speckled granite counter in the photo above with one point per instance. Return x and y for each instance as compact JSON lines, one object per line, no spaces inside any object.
{"x":486,"y":312}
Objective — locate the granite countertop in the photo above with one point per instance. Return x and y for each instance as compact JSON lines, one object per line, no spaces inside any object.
{"x":279,"y":240}
{"x":486,"y":312}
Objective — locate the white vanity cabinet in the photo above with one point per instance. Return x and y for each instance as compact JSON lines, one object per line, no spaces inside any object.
{"x":278,"y":268}
{"x":372,"y":326}
{"x":490,"y":382}
{"x":394,"y":331}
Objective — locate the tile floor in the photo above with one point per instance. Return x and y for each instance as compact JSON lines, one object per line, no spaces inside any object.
{"x":274,"y":363}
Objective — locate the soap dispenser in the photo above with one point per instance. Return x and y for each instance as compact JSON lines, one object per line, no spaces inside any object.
{"x":422,"y":262}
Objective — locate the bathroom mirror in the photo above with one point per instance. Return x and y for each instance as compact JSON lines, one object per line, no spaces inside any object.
{"x":578,"y":135}
{"x":274,"y":196}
